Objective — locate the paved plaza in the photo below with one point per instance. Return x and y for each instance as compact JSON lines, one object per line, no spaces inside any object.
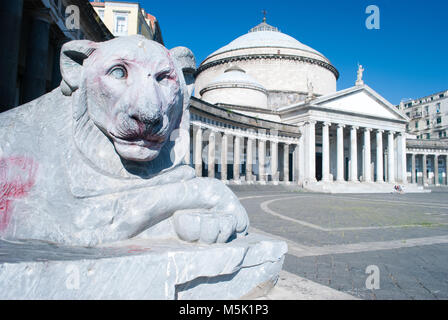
{"x":332,"y":239}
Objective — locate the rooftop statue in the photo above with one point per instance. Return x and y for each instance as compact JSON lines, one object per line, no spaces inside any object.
{"x":100,"y":158}
{"x":359,"y":81}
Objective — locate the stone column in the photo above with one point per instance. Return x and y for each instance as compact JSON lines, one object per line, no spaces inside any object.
{"x":261,"y":160}
{"x":236,"y":158}
{"x":35,"y":78}
{"x":446,"y":169}
{"x":198,"y":152}
{"x":211,"y":154}
{"x":340,"y":153}
{"x":354,"y":154}
{"x":366,"y":166}
{"x":10,"y":24}
{"x":310,"y":151}
{"x":187,"y":157}
{"x":224,"y":150}
{"x":436,"y":170}
{"x":326,"y":152}
{"x":425,"y":173}
{"x":379,"y":156}
{"x":401,"y":154}
{"x":286,"y":162}
{"x":274,"y":160}
{"x":249,"y":159}
{"x":390,"y":158}
{"x":301,"y":157}
{"x":413,"y":176}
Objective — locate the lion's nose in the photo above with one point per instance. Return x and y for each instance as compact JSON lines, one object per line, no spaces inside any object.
{"x":152,"y":123}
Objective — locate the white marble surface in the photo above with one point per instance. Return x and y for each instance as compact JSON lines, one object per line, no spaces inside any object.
{"x":139,"y":269}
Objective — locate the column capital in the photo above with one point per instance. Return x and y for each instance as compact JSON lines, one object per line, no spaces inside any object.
{"x":368,"y":129}
{"x":354,"y":127}
{"x":402,"y":133}
{"x":327,"y":123}
{"x":313,"y":122}
{"x":391,"y":132}
{"x":340,"y":125}
{"x":379,"y":131}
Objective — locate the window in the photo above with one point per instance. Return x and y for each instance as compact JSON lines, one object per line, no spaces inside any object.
{"x":439,"y":120}
{"x":427,"y":122}
{"x":438,"y":108}
{"x":440,"y":134}
{"x":101,"y":13}
{"x":444,"y":134}
{"x":121,"y":23}
{"x":416,"y":125}
{"x":427,"y":109}
{"x":428,"y":136}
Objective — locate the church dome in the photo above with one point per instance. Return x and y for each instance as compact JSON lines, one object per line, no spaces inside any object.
{"x":235,"y":87}
{"x":280,"y":64}
{"x":265,"y":36}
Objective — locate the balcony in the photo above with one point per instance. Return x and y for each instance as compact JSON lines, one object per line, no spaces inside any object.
{"x":416,"y":115}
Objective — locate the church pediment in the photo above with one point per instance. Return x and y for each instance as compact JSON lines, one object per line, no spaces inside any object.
{"x":361,"y":100}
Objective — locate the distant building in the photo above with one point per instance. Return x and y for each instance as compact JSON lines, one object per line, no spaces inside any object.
{"x":428,"y":116}
{"x":33,"y":34}
{"x":128,"y":18}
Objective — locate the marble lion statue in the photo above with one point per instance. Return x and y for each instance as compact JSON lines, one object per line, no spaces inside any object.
{"x":100,"y":158}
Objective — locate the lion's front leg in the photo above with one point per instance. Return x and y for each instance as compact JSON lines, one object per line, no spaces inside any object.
{"x":217,"y":216}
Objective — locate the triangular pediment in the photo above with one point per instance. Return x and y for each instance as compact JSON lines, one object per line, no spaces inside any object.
{"x":360,"y":100}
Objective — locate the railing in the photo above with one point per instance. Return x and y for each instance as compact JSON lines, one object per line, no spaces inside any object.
{"x":416,"y":115}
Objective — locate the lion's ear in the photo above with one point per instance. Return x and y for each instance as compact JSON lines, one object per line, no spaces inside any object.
{"x":73,"y":54}
{"x":187,"y":63}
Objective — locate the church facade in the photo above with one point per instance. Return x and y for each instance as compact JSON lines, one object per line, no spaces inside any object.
{"x":266,"y":110}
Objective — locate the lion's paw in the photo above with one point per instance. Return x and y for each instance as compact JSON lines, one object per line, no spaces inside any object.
{"x":205,"y":227}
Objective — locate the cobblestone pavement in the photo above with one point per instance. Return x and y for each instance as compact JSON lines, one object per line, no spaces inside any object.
{"x":332,"y":239}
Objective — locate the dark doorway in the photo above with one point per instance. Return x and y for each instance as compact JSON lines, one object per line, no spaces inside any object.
{"x":290,"y":167}
{"x":318,"y":166}
{"x":346,"y":169}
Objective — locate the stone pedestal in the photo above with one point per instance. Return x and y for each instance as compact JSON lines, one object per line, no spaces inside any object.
{"x":140,"y":269}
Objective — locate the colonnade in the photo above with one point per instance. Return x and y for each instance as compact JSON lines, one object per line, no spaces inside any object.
{"x":321,"y":150}
{"x":242,"y":155}
{"x":353,"y":157}
{"x":428,"y":167}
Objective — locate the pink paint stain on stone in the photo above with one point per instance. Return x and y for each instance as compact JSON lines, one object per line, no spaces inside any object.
{"x":17,"y":177}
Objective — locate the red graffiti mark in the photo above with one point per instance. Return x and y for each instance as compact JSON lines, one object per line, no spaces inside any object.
{"x":135,"y":248}
{"x":17,"y":177}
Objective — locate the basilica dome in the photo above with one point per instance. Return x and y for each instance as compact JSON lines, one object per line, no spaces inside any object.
{"x":282,"y":65}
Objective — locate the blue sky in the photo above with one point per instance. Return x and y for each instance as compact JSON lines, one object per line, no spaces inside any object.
{"x":406,"y":58}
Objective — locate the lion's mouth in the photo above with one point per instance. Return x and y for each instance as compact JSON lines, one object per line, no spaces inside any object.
{"x":152,"y":141}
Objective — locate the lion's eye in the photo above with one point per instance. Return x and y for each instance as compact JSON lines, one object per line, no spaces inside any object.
{"x":162,"y":76}
{"x":118,"y":72}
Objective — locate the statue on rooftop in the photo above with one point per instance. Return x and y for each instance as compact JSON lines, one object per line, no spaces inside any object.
{"x":359,"y":81}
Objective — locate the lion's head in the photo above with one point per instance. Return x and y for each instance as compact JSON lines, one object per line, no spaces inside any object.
{"x":133,"y":89}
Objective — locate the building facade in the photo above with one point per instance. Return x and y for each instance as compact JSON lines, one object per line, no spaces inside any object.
{"x":34,"y":32}
{"x":266,"y":110}
{"x":128,"y":18}
{"x":428,"y":116}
